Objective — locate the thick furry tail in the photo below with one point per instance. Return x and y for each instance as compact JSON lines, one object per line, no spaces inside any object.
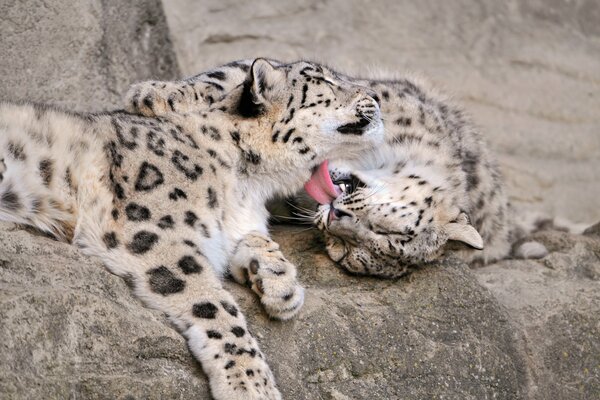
{"x":528,"y":223}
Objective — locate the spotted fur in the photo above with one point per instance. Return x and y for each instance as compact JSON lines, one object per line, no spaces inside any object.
{"x":432,"y":188}
{"x":171,"y":203}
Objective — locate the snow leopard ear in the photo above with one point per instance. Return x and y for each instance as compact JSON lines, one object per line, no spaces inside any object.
{"x":261,"y":83}
{"x":464,"y":233}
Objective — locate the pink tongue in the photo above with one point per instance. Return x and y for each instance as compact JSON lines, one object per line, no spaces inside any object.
{"x":320,"y":187}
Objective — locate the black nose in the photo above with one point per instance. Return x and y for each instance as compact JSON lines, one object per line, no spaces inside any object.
{"x":373,"y":94}
{"x":377,"y":99}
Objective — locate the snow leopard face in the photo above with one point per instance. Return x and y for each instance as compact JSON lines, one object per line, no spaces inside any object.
{"x":381,"y":222}
{"x":307,"y":109}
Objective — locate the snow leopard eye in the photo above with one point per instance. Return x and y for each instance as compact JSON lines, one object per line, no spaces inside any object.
{"x":344,"y":186}
{"x":349,"y":184}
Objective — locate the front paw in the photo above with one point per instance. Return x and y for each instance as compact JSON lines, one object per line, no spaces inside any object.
{"x":263,"y":268}
{"x":281,"y":296}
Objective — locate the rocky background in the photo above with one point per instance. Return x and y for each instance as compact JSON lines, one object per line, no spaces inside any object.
{"x":528,"y":72}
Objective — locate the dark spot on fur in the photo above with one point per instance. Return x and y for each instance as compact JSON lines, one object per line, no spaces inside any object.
{"x":69,"y":179}
{"x":212,"y":198}
{"x":142,"y":242}
{"x":182,"y":163}
{"x":190,"y":218}
{"x":214,"y":335}
{"x":17,"y":151}
{"x":136,"y":212}
{"x":149,"y":177}
{"x":46,"y":168}
{"x":164,"y":282}
{"x":110,"y":240}
{"x":205,"y":231}
{"x":113,"y":154}
{"x":252,"y":157}
{"x":155,"y":143}
{"x":404,"y":121}
{"x":36,"y":205}
{"x":189,"y":265}
{"x":286,"y":137}
{"x":238,"y":331}
{"x":177,"y":194}
{"x":219,"y":75}
{"x":229,"y":348}
{"x":230,"y":308}
{"x":166,"y":222}
{"x":10,"y":200}
{"x":205,"y":310}
{"x":469,"y":166}
{"x":304,"y":91}
{"x":185,"y":138}
{"x":230,"y":364}
{"x":129,"y":142}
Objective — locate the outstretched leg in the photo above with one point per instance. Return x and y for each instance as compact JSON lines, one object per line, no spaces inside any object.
{"x":259,"y":264}
{"x":168,"y":272}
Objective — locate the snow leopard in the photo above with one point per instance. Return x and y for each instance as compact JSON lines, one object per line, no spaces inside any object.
{"x":173,"y":202}
{"x":432,"y":188}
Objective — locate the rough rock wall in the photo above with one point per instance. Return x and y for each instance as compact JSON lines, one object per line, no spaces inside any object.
{"x":527,"y":71}
{"x":81,"y":54}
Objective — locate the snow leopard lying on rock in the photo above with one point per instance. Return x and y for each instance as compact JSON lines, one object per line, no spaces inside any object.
{"x":430,"y":189}
{"x":171,"y":203}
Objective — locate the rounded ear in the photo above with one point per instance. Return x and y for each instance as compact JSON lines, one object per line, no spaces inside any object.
{"x":464,"y":233}
{"x":264,"y":76}
{"x":261,"y":82}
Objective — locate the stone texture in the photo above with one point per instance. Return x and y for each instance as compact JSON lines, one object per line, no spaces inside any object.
{"x":527,"y":71}
{"x":556,"y":304}
{"x":81,"y":54}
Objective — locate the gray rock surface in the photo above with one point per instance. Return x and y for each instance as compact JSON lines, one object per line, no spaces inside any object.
{"x":528,"y":71}
{"x":556,"y":304}
{"x":513,"y":330}
{"x":81,"y":54}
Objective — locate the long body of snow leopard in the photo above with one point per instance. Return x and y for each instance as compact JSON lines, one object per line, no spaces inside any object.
{"x":170,"y":203}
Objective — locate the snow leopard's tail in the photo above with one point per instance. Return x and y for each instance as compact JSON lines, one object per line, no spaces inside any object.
{"x":527,"y":223}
